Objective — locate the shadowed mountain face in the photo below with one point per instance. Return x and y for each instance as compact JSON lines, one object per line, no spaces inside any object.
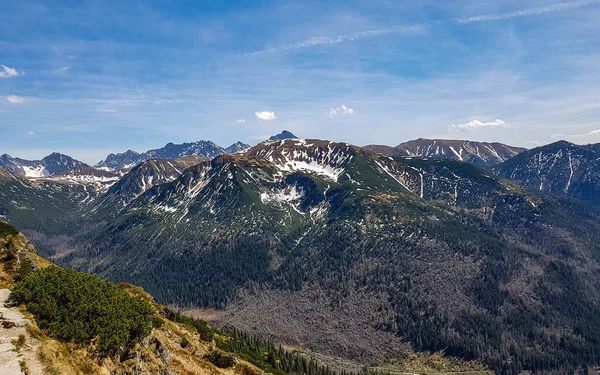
{"x":477,"y":153}
{"x":560,"y":168}
{"x":433,"y":253}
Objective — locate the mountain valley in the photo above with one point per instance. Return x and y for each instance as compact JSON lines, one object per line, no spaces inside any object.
{"x":379,"y":253}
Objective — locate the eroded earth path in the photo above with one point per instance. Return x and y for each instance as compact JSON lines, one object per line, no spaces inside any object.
{"x":17,"y":356}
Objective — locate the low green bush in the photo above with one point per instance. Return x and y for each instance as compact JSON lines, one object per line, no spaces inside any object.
{"x":76,"y":307}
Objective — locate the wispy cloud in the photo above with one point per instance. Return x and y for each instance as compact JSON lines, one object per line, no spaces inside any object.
{"x":416,"y":28}
{"x":241,"y":121}
{"x":317,"y":41}
{"x":31,"y":133}
{"x":64,"y":69}
{"x":527,"y":12}
{"x":13,"y":99}
{"x":265,"y":116}
{"x":476,"y":124}
{"x":7,"y":72}
{"x":339,"y":111}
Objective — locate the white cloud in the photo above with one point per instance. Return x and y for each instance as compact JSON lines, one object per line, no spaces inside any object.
{"x":241,"y":121}
{"x":265,"y":115}
{"x":30,"y":133}
{"x":13,"y":99}
{"x":534,"y":144}
{"x":7,"y":72}
{"x":476,"y":124}
{"x":62,"y":70}
{"x":340,"y":111}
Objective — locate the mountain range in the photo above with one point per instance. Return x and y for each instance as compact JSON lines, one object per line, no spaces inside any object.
{"x":170,"y":151}
{"x":376,"y":252}
{"x":50,"y":165}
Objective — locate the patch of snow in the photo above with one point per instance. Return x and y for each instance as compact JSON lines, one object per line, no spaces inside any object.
{"x":35,"y":172}
{"x":391,"y":175}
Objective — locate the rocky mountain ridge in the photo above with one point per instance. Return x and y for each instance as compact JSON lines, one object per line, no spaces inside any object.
{"x":52,"y":164}
{"x":560,"y":168}
{"x":477,"y":153}
{"x":170,"y":151}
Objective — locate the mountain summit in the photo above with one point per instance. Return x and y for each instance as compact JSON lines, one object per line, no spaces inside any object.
{"x":283,"y":135}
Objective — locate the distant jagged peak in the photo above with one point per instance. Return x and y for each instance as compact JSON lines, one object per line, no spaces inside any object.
{"x":129,"y":152}
{"x":170,"y":151}
{"x":237,"y":147}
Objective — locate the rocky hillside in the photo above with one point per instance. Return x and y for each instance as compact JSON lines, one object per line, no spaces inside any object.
{"x":477,"y":153}
{"x":560,"y":168}
{"x":16,"y":254}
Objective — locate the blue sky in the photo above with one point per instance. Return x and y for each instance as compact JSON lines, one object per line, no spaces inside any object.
{"x":92,"y":77}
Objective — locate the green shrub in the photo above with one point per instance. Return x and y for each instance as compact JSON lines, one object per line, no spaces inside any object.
{"x":185,"y":342}
{"x":77,"y":307}
{"x":25,"y":268}
{"x":7,"y":229}
{"x":157,"y":322}
{"x":221,"y":360}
